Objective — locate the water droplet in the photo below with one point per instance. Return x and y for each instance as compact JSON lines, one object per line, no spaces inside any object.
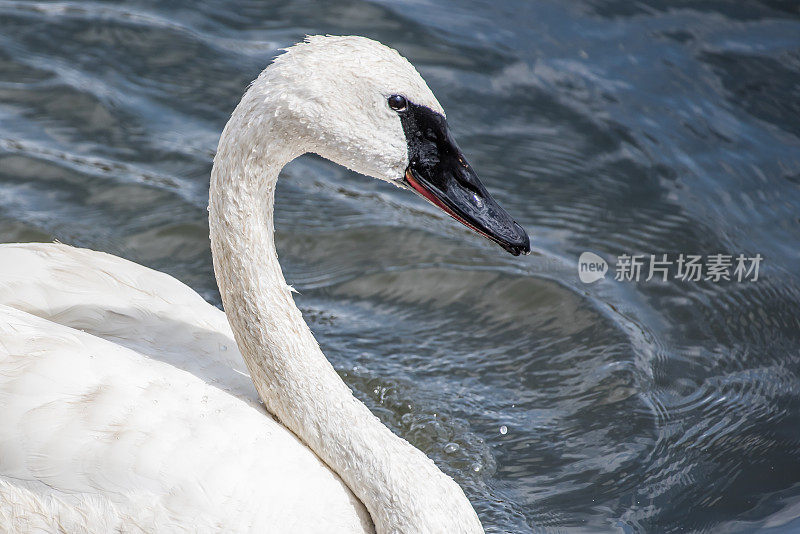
{"x":476,"y":467}
{"x":477,"y":200}
{"x":450,"y":448}
{"x":504,"y":430}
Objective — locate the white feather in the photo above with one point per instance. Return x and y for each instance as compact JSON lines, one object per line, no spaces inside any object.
{"x":125,"y":434}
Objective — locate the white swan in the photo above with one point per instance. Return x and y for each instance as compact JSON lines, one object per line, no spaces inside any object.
{"x":124,"y":403}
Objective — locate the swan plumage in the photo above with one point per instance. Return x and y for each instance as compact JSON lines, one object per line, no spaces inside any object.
{"x":127,"y":402}
{"x":91,"y":354}
{"x":144,"y":310}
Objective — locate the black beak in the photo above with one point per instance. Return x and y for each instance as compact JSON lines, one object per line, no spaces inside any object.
{"x":439,"y":172}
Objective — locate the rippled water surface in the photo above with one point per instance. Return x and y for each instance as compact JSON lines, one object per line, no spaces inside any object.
{"x":611,"y":126}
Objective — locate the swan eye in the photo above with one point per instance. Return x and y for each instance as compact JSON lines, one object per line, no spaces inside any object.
{"x":398,"y":103}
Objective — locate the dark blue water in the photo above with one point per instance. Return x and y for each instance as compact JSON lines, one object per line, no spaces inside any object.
{"x":616,"y":127}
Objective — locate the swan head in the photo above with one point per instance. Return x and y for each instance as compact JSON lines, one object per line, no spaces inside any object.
{"x":361,"y":104}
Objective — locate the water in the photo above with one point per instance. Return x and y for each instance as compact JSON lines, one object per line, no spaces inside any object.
{"x":601,"y":125}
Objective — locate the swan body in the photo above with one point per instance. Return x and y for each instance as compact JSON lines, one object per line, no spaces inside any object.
{"x":128,"y":403}
{"x":119,"y":417}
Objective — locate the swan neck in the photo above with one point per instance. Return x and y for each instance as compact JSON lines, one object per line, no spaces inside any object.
{"x":401,"y":487}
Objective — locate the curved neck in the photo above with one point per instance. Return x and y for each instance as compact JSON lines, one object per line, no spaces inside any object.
{"x":402,"y":488}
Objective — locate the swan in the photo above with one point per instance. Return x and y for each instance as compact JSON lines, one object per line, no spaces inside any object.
{"x":128,"y":403}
